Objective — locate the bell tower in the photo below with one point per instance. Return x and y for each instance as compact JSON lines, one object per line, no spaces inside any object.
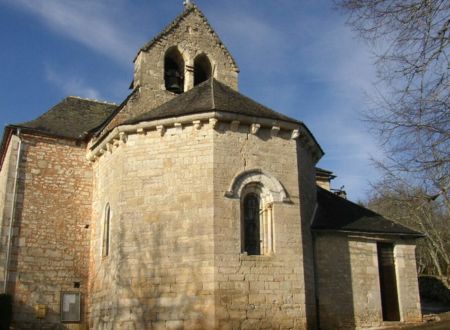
{"x":186,"y":53}
{"x":183,"y":55}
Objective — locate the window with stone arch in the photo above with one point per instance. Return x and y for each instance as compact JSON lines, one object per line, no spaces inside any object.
{"x":256,"y":222}
{"x":202,"y":69}
{"x":106,"y":231}
{"x":174,"y":71}
{"x":257,"y":192}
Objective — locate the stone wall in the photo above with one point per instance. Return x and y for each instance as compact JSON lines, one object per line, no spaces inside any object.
{"x":267,"y":291}
{"x":349,"y":286}
{"x":175,"y":258}
{"x":51,"y":227}
{"x":192,"y":37}
{"x":308,"y":200}
{"x":7,"y":184}
{"x":407,"y":281}
{"x":159,"y":273}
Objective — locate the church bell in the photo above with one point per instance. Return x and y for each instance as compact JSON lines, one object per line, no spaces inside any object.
{"x":174,"y":81}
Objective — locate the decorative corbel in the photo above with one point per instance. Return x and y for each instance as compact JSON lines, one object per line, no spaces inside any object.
{"x":123,"y":137}
{"x":161,"y":130}
{"x":197,"y":124}
{"x":295,"y":134}
{"x":255,"y":128}
{"x":178,"y":128}
{"x":234,"y":126}
{"x":109,"y":147}
{"x":275,"y":130}
{"x":213,"y":122}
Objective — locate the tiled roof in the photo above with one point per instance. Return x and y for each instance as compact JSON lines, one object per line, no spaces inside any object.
{"x":210,"y":95}
{"x":72,"y":118}
{"x":338,"y":214}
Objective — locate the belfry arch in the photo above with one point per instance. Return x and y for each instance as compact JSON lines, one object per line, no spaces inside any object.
{"x":202,"y":69}
{"x":174,"y":70}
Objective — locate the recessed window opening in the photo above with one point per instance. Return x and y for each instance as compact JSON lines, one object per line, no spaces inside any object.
{"x":256,"y":222}
{"x":202,"y":69}
{"x":252,"y":240}
{"x":106,"y":231}
{"x":174,"y":71}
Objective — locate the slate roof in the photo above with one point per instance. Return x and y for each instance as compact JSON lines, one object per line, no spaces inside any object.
{"x":211,"y":95}
{"x":72,"y":118}
{"x":338,"y":214}
{"x":322,"y":173}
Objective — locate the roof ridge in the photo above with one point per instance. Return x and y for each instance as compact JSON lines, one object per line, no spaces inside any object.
{"x":90,"y":100}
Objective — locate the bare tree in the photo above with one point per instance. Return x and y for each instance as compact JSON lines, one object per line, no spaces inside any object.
{"x":414,"y":208}
{"x":411,"y":113}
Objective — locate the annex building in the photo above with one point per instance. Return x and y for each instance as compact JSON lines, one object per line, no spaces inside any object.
{"x":189,"y":206}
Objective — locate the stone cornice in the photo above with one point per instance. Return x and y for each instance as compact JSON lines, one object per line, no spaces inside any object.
{"x":207,"y":119}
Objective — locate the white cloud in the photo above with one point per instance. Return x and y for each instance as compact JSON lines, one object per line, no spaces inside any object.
{"x":72,"y":85}
{"x":92,"y":23}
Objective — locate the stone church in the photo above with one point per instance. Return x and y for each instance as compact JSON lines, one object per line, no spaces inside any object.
{"x":189,"y":206}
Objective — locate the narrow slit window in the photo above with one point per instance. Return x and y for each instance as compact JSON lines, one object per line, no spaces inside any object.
{"x":106,"y":231}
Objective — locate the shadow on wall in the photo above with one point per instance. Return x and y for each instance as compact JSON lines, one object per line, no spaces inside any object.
{"x":146,"y":291}
{"x":334,"y":283}
{"x":5,"y":311}
{"x":326,"y":260}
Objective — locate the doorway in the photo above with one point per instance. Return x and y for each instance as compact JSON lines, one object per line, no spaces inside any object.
{"x":388,"y":282}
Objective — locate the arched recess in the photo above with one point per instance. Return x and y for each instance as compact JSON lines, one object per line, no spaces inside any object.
{"x":257,"y":192}
{"x":202,"y":69}
{"x":174,"y":70}
{"x":271,"y":189}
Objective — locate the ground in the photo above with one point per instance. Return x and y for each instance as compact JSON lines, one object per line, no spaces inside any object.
{"x":441,"y":322}
{"x":436,"y":317}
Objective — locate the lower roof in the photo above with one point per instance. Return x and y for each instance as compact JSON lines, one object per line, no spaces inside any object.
{"x":72,"y":118}
{"x":338,"y":214}
{"x":207,"y":96}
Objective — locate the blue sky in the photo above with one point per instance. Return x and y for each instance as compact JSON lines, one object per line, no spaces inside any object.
{"x":296,"y":56}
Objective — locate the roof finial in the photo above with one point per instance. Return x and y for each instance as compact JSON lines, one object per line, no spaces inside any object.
{"x":187,"y":3}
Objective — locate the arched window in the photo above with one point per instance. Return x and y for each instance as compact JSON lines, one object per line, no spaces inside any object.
{"x":256,"y":221}
{"x":202,"y":69}
{"x":257,"y":192}
{"x":106,"y":231}
{"x":251,"y":225}
{"x":174,"y":71}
